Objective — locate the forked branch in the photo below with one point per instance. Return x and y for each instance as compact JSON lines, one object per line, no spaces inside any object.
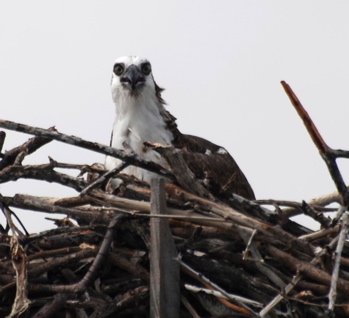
{"x":327,"y":153}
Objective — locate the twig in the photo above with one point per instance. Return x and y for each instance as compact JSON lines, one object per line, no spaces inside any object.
{"x":57,"y":164}
{"x":7,"y":212}
{"x":48,"y":205}
{"x":244,"y":308}
{"x":43,"y":172}
{"x":292,"y":204}
{"x":342,"y":236}
{"x":220,"y":295}
{"x":317,"y":216}
{"x":248,"y":243}
{"x":29,"y":146}
{"x":104,"y":177}
{"x":247,"y":236}
{"x":319,"y":234}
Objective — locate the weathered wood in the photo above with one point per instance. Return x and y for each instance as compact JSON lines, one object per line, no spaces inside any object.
{"x":164,"y":270}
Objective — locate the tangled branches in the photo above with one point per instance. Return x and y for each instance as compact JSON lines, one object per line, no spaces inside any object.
{"x":236,"y":257}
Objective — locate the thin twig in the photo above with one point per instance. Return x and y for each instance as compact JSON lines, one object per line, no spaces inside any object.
{"x":247,"y":236}
{"x":110,"y":174}
{"x":244,"y":308}
{"x":342,"y":237}
{"x":220,"y":295}
{"x":248,"y":243}
{"x":29,"y":146}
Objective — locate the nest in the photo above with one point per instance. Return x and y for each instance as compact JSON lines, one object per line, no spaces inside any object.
{"x":161,"y":250}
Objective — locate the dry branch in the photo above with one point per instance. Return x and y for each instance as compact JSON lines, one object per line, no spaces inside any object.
{"x":328,"y":154}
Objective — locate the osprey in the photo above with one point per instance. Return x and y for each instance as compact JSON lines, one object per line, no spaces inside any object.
{"x":141,"y":117}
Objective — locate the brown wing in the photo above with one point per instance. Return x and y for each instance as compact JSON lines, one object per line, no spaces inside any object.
{"x":209,"y":162}
{"x":214,"y":165}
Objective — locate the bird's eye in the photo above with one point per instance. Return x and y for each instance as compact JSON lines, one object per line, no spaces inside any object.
{"x":146,"y":68}
{"x":119,"y":69}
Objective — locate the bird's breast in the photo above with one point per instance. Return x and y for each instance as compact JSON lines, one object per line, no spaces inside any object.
{"x":130,"y":134}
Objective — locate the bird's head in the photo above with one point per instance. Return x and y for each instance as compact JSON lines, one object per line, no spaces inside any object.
{"x":132,"y":79}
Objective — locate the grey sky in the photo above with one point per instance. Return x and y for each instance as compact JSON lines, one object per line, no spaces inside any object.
{"x":220,"y":62}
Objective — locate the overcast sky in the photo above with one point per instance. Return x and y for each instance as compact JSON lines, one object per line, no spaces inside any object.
{"x":221,"y":64}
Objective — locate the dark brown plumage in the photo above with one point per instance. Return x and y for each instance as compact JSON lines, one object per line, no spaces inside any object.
{"x":210,"y":163}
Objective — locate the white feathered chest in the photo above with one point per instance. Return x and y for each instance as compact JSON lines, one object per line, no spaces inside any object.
{"x":138,"y":120}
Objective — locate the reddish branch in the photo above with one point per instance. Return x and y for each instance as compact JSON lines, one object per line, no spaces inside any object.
{"x":328,"y":154}
{"x":309,"y":124}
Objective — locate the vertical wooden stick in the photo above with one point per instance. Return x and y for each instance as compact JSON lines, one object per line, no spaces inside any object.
{"x":164,"y":270}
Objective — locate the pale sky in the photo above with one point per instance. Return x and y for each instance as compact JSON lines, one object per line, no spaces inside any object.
{"x":221,"y":64}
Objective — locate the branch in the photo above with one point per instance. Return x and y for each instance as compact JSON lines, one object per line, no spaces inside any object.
{"x":28,"y":147}
{"x":48,"y":205}
{"x":100,"y":258}
{"x":93,"y":146}
{"x":43,"y":172}
{"x":328,"y":154}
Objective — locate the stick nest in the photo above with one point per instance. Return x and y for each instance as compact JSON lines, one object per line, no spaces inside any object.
{"x":238,"y":258}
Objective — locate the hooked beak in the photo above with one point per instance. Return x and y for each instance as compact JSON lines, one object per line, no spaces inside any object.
{"x":133,"y":78}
